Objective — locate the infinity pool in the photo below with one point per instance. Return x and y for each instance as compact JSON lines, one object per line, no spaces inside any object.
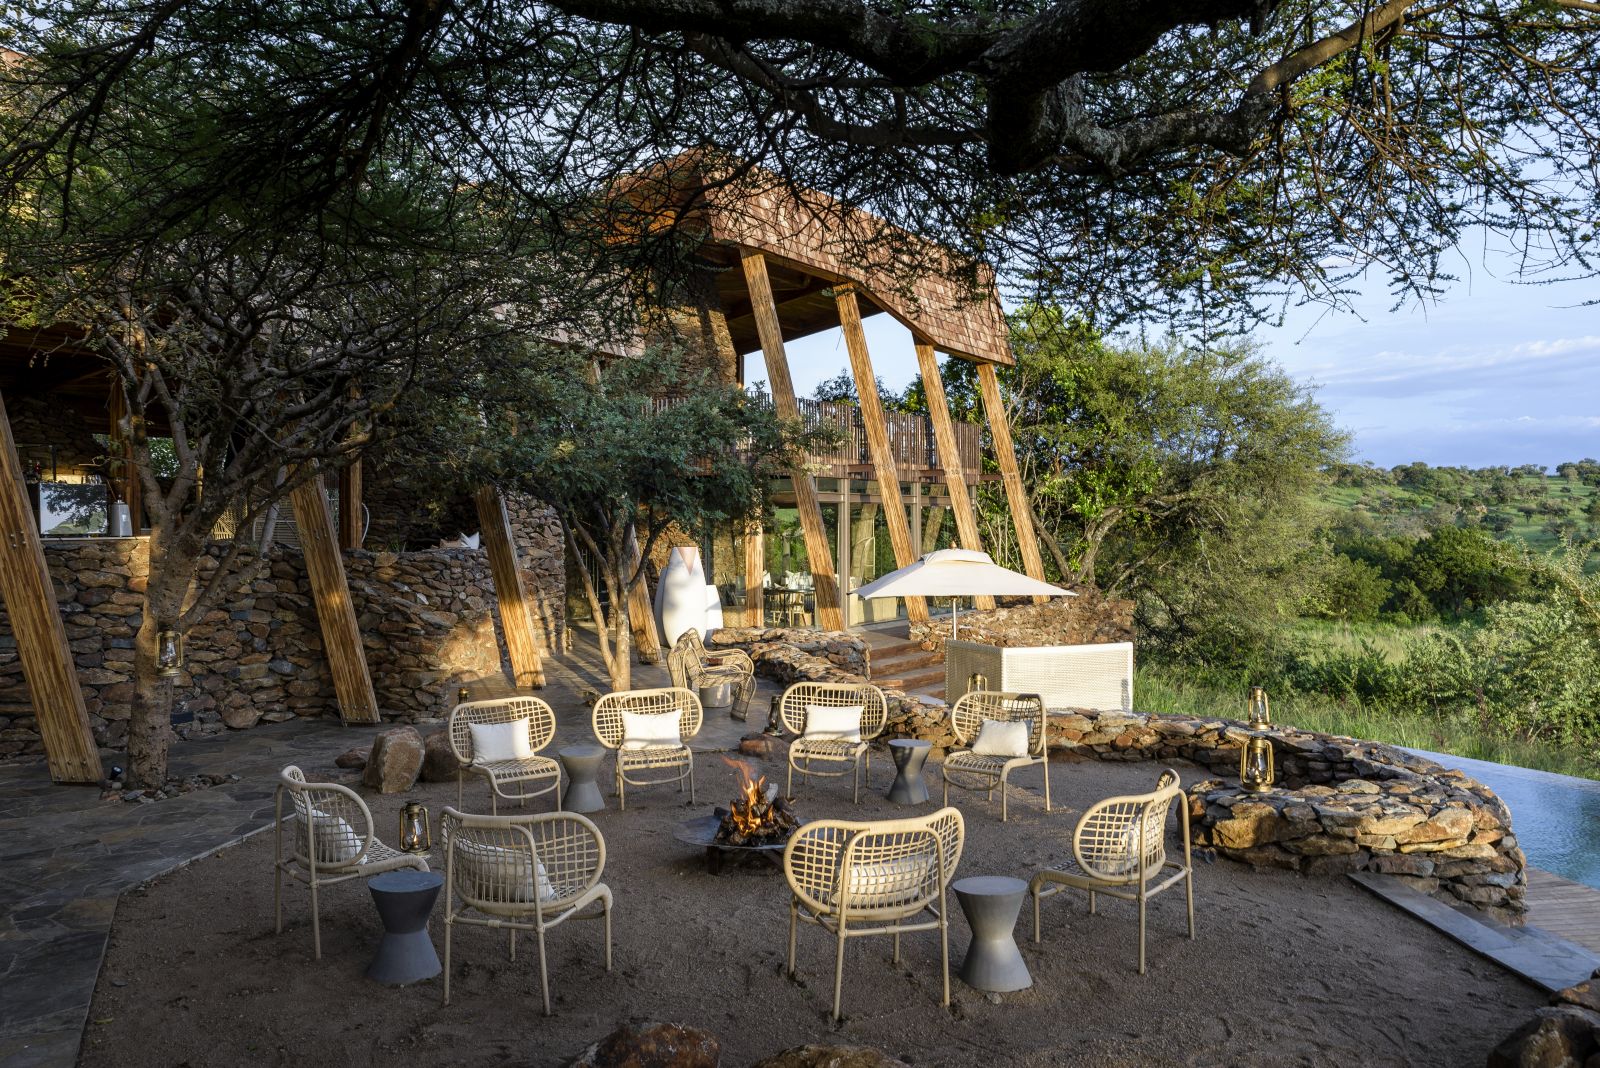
{"x":1556,"y":817}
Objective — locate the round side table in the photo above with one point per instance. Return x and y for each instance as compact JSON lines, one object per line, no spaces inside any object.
{"x":910,"y":754}
{"x":991,"y":903}
{"x":404,"y":900}
{"x":582,"y":763}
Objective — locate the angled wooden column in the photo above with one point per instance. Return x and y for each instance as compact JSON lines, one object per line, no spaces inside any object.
{"x":641,"y":614}
{"x":955,"y":475}
{"x":1005,"y":454}
{"x":336,"y":612}
{"x":516,"y":621}
{"x":855,"y":340}
{"x":351,"y":520}
{"x":825,"y":580}
{"x":124,"y":478}
{"x":35,"y":619}
{"x":755,"y":569}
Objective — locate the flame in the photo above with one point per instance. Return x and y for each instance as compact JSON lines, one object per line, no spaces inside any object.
{"x":751,"y":812}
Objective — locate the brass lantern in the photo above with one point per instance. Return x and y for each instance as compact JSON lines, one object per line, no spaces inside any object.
{"x":415,"y":834}
{"x":977,"y":681}
{"x":1258,"y":711}
{"x":169,"y":654}
{"x":774,"y":727}
{"x":463,"y":695}
{"x":1256,"y":767}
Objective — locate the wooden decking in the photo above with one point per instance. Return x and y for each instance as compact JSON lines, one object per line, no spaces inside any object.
{"x":1564,"y":908}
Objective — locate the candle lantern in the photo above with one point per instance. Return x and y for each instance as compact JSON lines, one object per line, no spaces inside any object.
{"x":415,"y":834}
{"x":977,"y":681}
{"x":1256,"y":767}
{"x":169,"y":654}
{"x":1258,"y":710}
{"x":463,"y":695}
{"x":774,"y":726}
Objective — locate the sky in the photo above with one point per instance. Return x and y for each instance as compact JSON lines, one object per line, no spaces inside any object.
{"x":1495,"y":372}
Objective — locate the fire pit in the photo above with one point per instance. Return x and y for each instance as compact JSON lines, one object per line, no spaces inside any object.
{"x":759,"y":823}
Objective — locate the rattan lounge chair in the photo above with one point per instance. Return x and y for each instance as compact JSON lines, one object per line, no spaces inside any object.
{"x":1120,"y":848}
{"x":330,"y":841}
{"x":635,"y":759}
{"x":881,"y":878}
{"x":985,"y":771}
{"x":855,"y":755}
{"x":534,"y":770}
{"x":690,"y":667}
{"x":522,"y":873}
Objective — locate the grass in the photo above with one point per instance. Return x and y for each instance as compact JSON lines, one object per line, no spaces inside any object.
{"x":1162,"y":689}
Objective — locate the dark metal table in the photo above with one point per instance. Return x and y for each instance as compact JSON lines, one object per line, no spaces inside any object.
{"x":910,"y":754}
{"x":404,"y":900}
{"x":582,"y":764}
{"x":991,"y":904}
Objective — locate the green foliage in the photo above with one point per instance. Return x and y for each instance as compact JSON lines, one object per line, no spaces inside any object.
{"x":1353,"y":590}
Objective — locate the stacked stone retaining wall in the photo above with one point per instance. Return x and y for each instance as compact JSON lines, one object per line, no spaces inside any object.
{"x":1087,"y":619}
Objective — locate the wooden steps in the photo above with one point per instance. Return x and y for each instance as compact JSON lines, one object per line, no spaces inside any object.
{"x":906,"y":666}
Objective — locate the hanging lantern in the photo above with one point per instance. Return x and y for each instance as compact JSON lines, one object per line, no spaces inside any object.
{"x":169,"y":654}
{"x":415,"y":835}
{"x":977,"y":681}
{"x":1256,"y":767}
{"x":1258,"y":711}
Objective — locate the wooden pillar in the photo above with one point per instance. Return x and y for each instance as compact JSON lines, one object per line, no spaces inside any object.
{"x":755,"y":568}
{"x":125,"y":477}
{"x":352,"y":520}
{"x":894,"y":509}
{"x":35,"y":618}
{"x":516,"y":621}
{"x":824,"y":579}
{"x":336,"y":612}
{"x":1005,"y":454}
{"x":955,"y":476}
{"x":641,"y":614}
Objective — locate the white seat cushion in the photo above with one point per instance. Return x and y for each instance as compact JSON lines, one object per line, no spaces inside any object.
{"x":833,"y":724}
{"x":1002,"y":739}
{"x":650,"y":730}
{"x":886,"y":883}
{"x":492,"y":742}
{"x":499,"y":873}
{"x":336,"y":841}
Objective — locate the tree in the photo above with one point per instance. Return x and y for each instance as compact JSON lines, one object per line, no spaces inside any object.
{"x":1139,"y":161}
{"x":1461,"y":569}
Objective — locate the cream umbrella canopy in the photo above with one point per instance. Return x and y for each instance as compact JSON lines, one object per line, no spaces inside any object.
{"x":958,"y":573}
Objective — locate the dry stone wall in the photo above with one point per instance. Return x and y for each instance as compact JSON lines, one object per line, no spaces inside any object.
{"x":428,"y":622}
{"x":1087,"y":619}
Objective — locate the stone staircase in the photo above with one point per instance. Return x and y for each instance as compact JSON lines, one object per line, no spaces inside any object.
{"x":905,"y":665}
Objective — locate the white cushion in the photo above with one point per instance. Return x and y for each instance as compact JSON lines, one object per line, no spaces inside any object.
{"x":649,"y":730}
{"x":493,"y":742}
{"x":335,"y":840}
{"x":887,"y":882}
{"x":833,"y":724}
{"x":1000,"y":738}
{"x":499,"y":873}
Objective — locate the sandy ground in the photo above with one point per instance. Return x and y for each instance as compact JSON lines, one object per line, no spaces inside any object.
{"x":1285,"y":970}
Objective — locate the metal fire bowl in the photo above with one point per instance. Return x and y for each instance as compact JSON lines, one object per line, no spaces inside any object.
{"x":703,"y":832}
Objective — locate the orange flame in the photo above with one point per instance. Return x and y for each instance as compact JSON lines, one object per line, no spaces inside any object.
{"x":751,"y":812}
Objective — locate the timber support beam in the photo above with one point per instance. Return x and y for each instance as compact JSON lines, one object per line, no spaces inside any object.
{"x":1005,"y":455}
{"x":944,"y":436}
{"x":336,"y":612}
{"x":516,"y":621}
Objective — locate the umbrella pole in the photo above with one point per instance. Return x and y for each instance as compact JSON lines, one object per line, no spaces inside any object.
{"x":953,"y":610}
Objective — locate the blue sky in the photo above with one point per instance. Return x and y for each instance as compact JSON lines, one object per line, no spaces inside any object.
{"x":1493,"y":373}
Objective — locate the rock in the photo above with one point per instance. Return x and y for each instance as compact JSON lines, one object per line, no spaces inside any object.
{"x":1556,"y":1037}
{"x":242,"y":716}
{"x":831,"y":1057}
{"x":1585,"y":995}
{"x":396,"y":761}
{"x":439,"y":763}
{"x":761,"y":746}
{"x":352,"y":758}
{"x":1450,"y":823}
{"x":653,"y":1045}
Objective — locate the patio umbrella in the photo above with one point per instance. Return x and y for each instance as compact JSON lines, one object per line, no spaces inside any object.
{"x":958,"y":573}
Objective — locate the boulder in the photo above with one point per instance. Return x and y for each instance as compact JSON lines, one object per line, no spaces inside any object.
{"x":1557,"y":1036}
{"x":439,"y":763}
{"x":762,"y":747}
{"x":351,"y":758}
{"x":395,"y":762}
{"x":241,"y":715}
{"x":653,"y":1045}
{"x":831,"y":1057}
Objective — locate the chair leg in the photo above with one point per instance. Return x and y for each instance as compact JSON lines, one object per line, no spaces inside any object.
{"x":788,"y":782}
{"x":838,"y":973}
{"x":608,"y":936}
{"x":494,"y":799}
{"x":1036,"y":934}
{"x":946,"y":791}
{"x":1091,"y":902}
{"x":1047,"y":807}
{"x":1141,"y":931}
{"x":316,"y":921}
{"x":460,"y":776}
{"x":691,"y":779}
{"x":544,"y":973}
{"x":794,"y":924}
{"x":1005,"y":796}
{"x":512,"y":943}
{"x":897,"y":945}
{"x":857,"y":798}
{"x":1188,"y":889}
{"x":448,"y":927}
{"x":944,"y":946}
{"x":277,"y":897}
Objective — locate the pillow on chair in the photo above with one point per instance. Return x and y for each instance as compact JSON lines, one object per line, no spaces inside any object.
{"x":493,"y":742}
{"x":651,"y":730}
{"x":1001,"y":738}
{"x":824,"y":724}
{"x":884,"y":883}
{"x":335,"y":840}
{"x":500,"y":873}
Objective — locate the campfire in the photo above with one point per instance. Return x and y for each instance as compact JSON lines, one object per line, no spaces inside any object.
{"x":758,"y":817}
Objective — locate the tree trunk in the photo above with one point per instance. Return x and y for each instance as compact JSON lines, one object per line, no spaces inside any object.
{"x":150,"y":717}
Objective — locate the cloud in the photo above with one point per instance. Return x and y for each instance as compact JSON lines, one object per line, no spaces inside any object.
{"x":1562,"y":364}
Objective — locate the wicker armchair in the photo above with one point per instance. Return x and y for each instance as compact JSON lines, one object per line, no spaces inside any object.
{"x":675,"y":761}
{"x":330,"y":841}
{"x":523,"y":873}
{"x":855,"y":879}
{"x":690,"y":667}
{"x":982,"y":771}
{"x":538,"y":771}
{"x":1120,"y":848}
{"x":804,"y":752}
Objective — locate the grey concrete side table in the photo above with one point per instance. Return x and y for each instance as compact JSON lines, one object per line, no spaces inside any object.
{"x":582,"y":763}
{"x":404,"y":900}
{"x":992,"y":903}
{"x":909,"y":756}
